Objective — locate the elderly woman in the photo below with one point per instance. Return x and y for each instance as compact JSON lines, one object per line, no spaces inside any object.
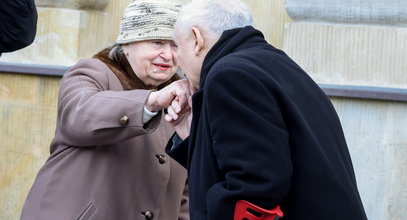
{"x":107,"y":158}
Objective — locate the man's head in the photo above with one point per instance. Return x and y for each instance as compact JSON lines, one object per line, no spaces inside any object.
{"x":200,"y":25}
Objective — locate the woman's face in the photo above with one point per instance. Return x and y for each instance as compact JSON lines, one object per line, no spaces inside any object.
{"x":153,"y":61}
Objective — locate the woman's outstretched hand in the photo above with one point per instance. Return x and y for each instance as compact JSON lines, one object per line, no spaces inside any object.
{"x":178,"y":90}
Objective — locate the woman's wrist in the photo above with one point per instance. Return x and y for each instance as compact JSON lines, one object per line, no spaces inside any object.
{"x":151,"y":103}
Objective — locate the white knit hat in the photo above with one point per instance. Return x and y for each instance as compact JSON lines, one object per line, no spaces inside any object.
{"x":148,"y":20}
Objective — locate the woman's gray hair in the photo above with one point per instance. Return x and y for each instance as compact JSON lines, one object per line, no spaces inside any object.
{"x":116,"y":52}
{"x":215,"y":16}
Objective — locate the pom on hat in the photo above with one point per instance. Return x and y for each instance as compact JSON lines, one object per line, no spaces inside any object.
{"x":148,"y":20}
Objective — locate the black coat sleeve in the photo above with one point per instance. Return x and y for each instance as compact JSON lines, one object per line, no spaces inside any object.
{"x":178,"y":149}
{"x":250,"y":141}
{"x":18,"y":24}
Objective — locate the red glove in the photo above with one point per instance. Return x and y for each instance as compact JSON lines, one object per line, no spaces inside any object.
{"x":247,"y":211}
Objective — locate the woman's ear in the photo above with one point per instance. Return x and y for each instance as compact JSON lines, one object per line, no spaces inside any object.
{"x":199,"y":40}
{"x":125,"y":50}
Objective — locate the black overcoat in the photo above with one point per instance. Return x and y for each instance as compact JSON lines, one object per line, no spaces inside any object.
{"x":18,"y":24}
{"x":263,"y":131}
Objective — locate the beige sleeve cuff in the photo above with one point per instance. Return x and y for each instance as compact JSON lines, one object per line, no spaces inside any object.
{"x":147,"y":115}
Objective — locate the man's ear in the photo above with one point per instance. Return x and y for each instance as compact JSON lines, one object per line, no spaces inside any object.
{"x":199,"y":40}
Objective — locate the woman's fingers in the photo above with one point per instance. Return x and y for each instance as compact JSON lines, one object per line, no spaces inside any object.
{"x":182,"y":94}
{"x":168,"y":118}
{"x":171,"y":112}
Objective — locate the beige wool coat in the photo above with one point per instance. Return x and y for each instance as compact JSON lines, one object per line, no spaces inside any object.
{"x":105,"y":163}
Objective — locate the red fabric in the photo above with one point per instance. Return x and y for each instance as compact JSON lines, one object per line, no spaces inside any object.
{"x":242,"y":212}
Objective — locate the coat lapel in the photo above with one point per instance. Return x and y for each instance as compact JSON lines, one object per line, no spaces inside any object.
{"x":196,"y":114}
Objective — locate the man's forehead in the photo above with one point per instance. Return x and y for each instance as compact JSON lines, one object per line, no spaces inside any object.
{"x":178,"y":36}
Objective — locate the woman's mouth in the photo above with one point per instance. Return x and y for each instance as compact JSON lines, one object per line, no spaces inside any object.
{"x":162,"y":66}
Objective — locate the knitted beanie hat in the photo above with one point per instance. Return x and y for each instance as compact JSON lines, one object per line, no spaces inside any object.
{"x":148,"y":20}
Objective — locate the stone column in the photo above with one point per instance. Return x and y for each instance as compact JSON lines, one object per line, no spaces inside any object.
{"x":269,"y":16}
{"x":361,"y":43}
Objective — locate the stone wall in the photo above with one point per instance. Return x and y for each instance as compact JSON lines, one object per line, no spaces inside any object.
{"x":361,"y":43}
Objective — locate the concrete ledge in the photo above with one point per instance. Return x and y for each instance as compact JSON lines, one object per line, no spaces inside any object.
{"x":365,"y":92}
{"x":345,"y":91}
{"x":32,"y":69}
{"x":73,"y":4}
{"x":390,"y":12}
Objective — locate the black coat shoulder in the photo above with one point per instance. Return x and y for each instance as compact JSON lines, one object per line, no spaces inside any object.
{"x":18,"y":24}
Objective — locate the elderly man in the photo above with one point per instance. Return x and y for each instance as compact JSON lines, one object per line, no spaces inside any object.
{"x":262,"y":130}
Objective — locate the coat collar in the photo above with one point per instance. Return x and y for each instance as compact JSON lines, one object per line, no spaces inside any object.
{"x":230,"y":41}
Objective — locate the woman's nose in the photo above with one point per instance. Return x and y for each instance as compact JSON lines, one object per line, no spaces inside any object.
{"x":166,"y":52}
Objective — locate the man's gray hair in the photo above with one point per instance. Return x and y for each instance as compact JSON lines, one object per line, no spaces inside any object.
{"x":215,"y":16}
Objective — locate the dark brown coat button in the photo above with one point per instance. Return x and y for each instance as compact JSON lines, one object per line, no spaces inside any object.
{"x":161,"y":158}
{"x":124,"y":120}
{"x":148,"y":215}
